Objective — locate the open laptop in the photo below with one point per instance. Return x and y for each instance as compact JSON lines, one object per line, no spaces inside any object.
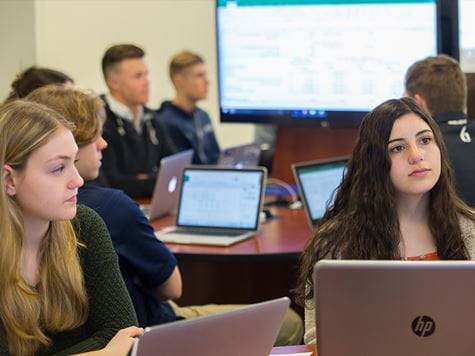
{"x":239,"y":156}
{"x":394,"y":308}
{"x":217,"y":206}
{"x":167,"y":186}
{"x":248,"y":331}
{"x":317,"y":183}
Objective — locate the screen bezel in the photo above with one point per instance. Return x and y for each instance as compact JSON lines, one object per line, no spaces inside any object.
{"x":335,"y":119}
{"x":297,"y":167}
{"x":263,"y":179}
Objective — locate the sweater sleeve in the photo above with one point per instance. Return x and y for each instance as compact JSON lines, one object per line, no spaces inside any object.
{"x":310,"y":335}
{"x":110,"y":307}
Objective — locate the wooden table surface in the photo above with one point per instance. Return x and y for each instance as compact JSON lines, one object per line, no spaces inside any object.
{"x":286,"y":233}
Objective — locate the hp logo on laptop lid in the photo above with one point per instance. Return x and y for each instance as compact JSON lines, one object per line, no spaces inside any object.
{"x":423,"y":326}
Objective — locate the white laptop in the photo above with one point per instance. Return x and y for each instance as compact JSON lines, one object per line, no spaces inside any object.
{"x":217,"y":206}
{"x":167,"y":186}
{"x":394,"y":308}
{"x":248,"y":331}
{"x":247,"y":155}
{"x":317,"y":183}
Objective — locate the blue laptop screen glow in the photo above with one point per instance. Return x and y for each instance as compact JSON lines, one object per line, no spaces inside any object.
{"x":220,"y":198}
{"x":318,"y":183}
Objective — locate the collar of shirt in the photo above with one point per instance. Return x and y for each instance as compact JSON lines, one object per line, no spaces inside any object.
{"x":451,"y":118}
{"x":122,"y":110}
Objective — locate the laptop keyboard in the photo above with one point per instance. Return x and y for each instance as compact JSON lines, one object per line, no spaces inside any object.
{"x":207,"y":234}
{"x":215,"y":238}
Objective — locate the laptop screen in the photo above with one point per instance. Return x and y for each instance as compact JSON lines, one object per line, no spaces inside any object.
{"x":221,"y":198}
{"x":318,"y":182}
{"x":240,"y":156}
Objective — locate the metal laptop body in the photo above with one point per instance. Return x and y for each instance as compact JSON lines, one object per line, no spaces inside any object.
{"x":167,"y":186}
{"x":239,"y":156}
{"x":218,"y":206}
{"x":317,"y":183}
{"x":248,"y":331}
{"x":394,"y":308}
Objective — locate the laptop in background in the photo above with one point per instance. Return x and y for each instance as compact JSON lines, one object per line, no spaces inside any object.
{"x":247,"y":155}
{"x":394,"y":308}
{"x":248,"y":331}
{"x":167,"y":186}
{"x":317,"y":183}
{"x":217,"y":206}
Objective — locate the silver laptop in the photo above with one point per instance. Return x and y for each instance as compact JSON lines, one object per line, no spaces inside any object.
{"x":317,"y":183}
{"x":248,"y":331}
{"x":239,"y":156}
{"x":394,"y":308}
{"x":217,"y":206}
{"x":167,"y":186}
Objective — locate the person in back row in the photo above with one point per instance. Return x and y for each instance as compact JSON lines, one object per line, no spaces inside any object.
{"x":439,"y":86}
{"x":396,"y":201}
{"x":188,"y":125}
{"x":35,"y":77}
{"x":148,"y":267}
{"x":137,"y":140}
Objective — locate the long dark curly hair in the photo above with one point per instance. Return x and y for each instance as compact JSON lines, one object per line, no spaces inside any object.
{"x":362,"y":223}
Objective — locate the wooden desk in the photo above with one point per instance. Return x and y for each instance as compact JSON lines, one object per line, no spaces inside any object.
{"x":286,"y":234}
{"x":294,"y":349}
{"x":261,"y":268}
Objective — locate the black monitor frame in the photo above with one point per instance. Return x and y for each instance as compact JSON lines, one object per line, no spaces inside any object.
{"x":447,"y":42}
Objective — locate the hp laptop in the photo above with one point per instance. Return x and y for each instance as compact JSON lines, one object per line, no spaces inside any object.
{"x":248,"y":331}
{"x":167,"y":185}
{"x":394,"y":308}
{"x":217,"y":206}
{"x":247,"y":155}
{"x":317,"y":183}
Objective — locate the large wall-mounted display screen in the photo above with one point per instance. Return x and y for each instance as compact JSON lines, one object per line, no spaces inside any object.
{"x":327,"y":62}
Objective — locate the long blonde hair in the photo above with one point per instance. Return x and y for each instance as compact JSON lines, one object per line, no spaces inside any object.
{"x":59,"y":301}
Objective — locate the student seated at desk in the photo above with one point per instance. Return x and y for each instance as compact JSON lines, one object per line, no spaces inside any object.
{"x":396,"y":201}
{"x":188,"y":125}
{"x":60,"y":286}
{"x":137,"y":139}
{"x":439,"y":85}
{"x":148,"y":267}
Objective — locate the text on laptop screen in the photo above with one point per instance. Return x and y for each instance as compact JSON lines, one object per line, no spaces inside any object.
{"x":318,"y":184}
{"x":220,"y":198}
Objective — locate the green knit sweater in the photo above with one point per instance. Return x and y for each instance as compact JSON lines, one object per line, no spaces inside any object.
{"x":110,"y":307}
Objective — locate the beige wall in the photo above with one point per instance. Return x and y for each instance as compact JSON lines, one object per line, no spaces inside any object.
{"x":71,"y":35}
{"x":17,"y":40}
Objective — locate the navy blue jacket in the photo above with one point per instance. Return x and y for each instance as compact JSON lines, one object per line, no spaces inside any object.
{"x":129,"y":152}
{"x":190,"y":130}
{"x":145,"y":262}
{"x":459,"y":137}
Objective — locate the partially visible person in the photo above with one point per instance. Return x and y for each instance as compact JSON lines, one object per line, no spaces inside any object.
{"x":188,"y":125}
{"x":35,"y":77}
{"x":137,"y":139}
{"x":60,"y":287}
{"x":148,"y":267}
{"x":439,"y":86}
{"x":396,"y":201}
